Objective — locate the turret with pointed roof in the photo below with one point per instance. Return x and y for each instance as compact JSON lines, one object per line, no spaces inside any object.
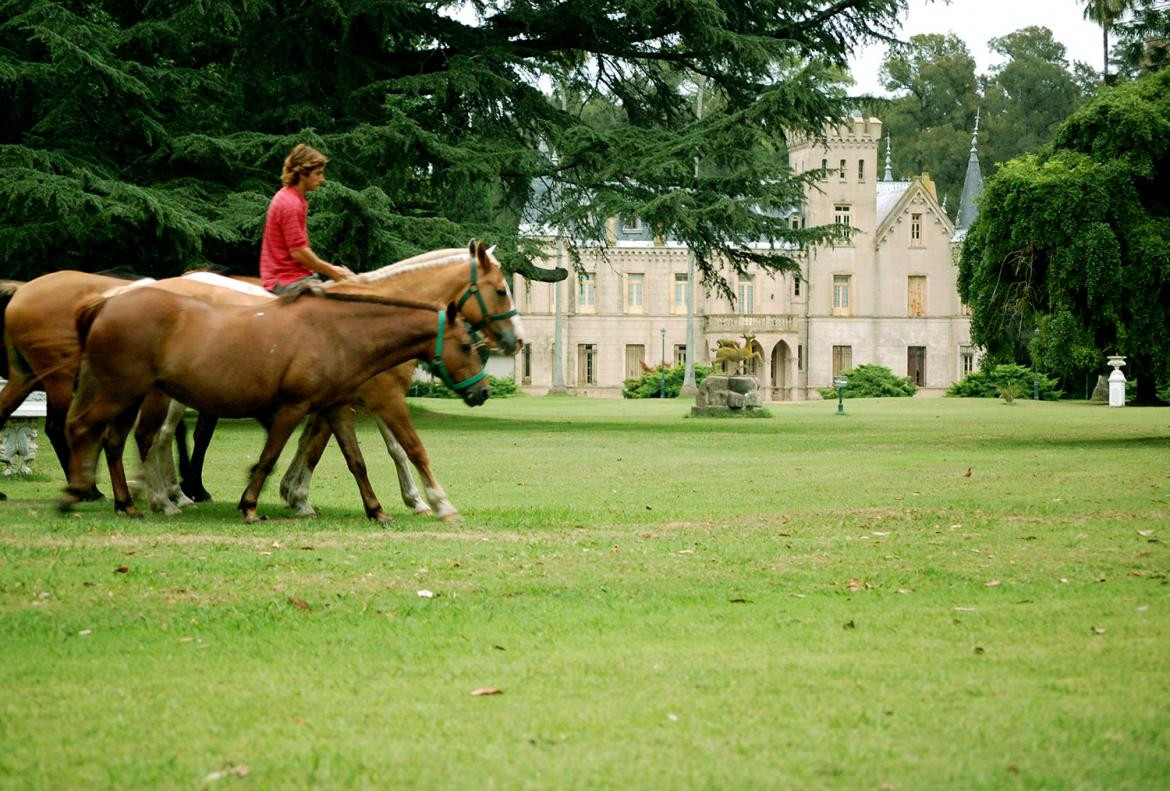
{"x":972,"y":188}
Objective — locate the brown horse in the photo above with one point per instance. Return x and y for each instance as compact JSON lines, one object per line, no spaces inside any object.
{"x":306,"y":353}
{"x":474,"y":280}
{"x":41,"y":343}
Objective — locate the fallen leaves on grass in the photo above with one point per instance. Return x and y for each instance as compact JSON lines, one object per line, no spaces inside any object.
{"x":485,"y":691}
{"x":1097,"y":629}
{"x":992,"y":583}
{"x":1145,"y":533}
{"x":239,"y":770}
{"x":858,"y":584}
{"x":426,"y":594}
{"x":122,"y":570}
{"x":300,"y":604}
{"x":967,"y":474}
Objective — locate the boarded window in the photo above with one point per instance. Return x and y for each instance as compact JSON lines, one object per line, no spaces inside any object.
{"x":916,"y":364}
{"x":842,"y":360}
{"x":635,"y":356}
{"x":916,"y":296}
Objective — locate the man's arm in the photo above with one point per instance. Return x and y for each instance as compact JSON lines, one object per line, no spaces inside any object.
{"x":306,"y":257}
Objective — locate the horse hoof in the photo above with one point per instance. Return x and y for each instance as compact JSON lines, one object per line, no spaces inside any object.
{"x":199,"y":495}
{"x":94,"y":495}
{"x":130,"y":511}
{"x":454,"y":516}
{"x":3,"y":497}
{"x":252,"y":518}
{"x":65,"y":503}
{"x":382,"y":518}
{"x":306,"y":512}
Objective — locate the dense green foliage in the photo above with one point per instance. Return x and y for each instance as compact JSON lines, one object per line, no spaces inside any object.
{"x":1014,"y":380}
{"x":150,"y":135}
{"x":937,"y":93}
{"x":662,"y":382}
{"x":430,"y":387}
{"x":872,"y":381}
{"x":1069,"y":259}
{"x":1142,"y":38}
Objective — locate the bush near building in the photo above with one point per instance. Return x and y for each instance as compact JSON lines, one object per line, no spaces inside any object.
{"x":1009,"y":381}
{"x":501,"y":387}
{"x":873,"y":381}
{"x":662,"y":382}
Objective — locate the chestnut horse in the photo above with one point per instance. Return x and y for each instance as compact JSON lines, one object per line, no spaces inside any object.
{"x":474,"y":280}
{"x":306,"y":353}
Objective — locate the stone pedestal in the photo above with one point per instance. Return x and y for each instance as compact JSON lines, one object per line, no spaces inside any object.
{"x":728,"y":395}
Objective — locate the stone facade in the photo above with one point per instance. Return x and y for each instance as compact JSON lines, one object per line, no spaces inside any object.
{"x":886,"y":295}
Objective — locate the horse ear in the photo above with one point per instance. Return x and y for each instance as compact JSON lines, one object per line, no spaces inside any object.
{"x":471,"y":249}
{"x":481,"y":253}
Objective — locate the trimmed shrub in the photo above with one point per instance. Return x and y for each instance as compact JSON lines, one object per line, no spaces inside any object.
{"x":667,"y":381}
{"x":873,"y":381}
{"x":501,"y":387}
{"x":1004,"y":381}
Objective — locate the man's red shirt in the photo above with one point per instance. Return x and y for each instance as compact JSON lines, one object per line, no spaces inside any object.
{"x":284,"y":231}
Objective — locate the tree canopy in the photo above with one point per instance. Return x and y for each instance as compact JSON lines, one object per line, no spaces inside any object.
{"x":1021,"y":102}
{"x":1069,"y":258}
{"x":150,"y":135}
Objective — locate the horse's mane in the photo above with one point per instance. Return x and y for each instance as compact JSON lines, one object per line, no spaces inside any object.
{"x":122,"y":273}
{"x":435,"y":258}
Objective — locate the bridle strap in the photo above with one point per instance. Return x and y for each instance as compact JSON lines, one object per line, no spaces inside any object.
{"x":437,"y":366}
{"x":473,"y":291}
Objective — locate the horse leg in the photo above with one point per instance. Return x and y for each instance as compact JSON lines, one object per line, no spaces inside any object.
{"x":115,"y":444}
{"x":283,"y":424}
{"x":341,"y":421}
{"x":154,"y":448}
{"x":84,"y":428}
{"x":165,"y":457}
{"x":410,"y":493}
{"x":294,"y":487}
{"x":193,"y":476}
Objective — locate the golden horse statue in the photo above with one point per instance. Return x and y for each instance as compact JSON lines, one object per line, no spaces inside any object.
{"x":729,"y":350}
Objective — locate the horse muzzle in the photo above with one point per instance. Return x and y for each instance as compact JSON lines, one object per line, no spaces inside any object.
{"x":476,"y":394}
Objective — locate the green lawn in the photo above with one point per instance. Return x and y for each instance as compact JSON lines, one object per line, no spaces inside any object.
{"x":806,"y":601}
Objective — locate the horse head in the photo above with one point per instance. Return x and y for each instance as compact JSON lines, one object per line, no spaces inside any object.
{"x":457,"y":361}
{"x":487,"y":303}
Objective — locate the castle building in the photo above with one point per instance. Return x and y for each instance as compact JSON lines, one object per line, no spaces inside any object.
{"x":885,"y":294}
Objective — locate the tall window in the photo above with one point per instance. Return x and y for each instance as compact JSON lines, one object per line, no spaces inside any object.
{"x":587,"y":293}
{"x":680,"y":354}
{"x":526,"y":365}
{"x":799,"y":357}
{"x":841,"y":297}
{"x":678,"y":302}
{"x":915,"y":230}
{"x":861,"y":170}
{"x":841,"y":170}
{"x":796,"y":285}
{"x":824,"y":168}
{"x":635,"y":356}
{"x":967,"y":357}
{"x":916,"y":364}
{"x":745,"y":293}
{"x":916,"y":296}
{"x":586,"y":364}
{"x":527,"y":294}
{"x":842,"y":360}
{"x":841,"y":216}
{"x":794,"y":221}
{"x":635,"y":286}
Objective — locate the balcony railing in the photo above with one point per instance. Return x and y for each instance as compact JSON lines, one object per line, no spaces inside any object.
{"x":754,"y":323}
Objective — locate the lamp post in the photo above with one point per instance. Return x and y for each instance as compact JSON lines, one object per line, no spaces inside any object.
{"x":840,"y":383}
{"x":662,"y":367}
{"x":689,"y":388}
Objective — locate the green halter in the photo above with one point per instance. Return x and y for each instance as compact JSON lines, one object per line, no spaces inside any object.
{"x":437,"y":366}
{"x":488,"y":318}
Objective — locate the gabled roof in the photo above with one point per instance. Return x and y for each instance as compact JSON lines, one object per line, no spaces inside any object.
{"x":895,"y":202}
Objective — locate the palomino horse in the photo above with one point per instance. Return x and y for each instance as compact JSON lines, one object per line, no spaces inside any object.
{"x":474,"y":280}
{"x":308,"y":352}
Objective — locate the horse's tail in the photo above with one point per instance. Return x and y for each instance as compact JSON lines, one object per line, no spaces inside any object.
{"x":84,"y":314}
{"x":7,"y":289}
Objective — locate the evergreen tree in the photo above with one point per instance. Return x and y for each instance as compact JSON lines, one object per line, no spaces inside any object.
{"x":150,"y":135}
{"x":1069,"y":258}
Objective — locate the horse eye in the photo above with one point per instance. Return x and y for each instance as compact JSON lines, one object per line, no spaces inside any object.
{"x":501,"y":292}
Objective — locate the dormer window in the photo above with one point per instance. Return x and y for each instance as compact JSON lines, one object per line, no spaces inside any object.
{"x":631,"y":224}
